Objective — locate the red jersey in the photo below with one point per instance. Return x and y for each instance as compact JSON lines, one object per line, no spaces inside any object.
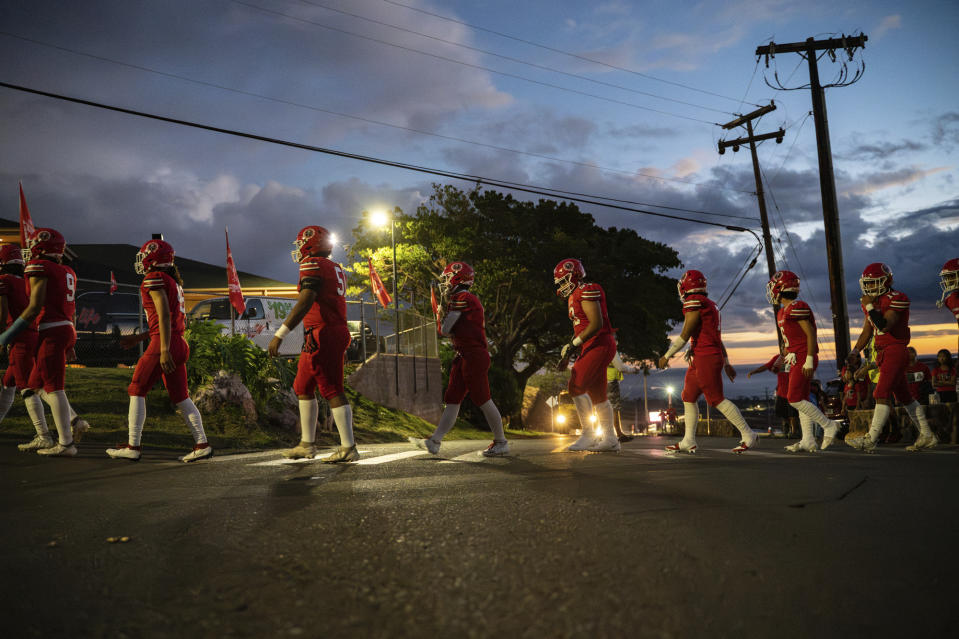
{"x":14,"y":288}
{"x":916,"y":374}
{"x":707,"y":336}
{"x":899,"y":333}
{"x":855,"y":390}
{"x":326,"y":278}
{"x":588,"y":292}
{"x":940,"y":378}
{"x":776,"y":365}
{"x":794,"y":338}
{"x":157,"y":281}
{"x":469,"y":331}
{"x":952,"y":303}
{"x":60,"y":304}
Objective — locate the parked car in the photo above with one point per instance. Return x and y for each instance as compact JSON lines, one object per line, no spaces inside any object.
{"x":355,"y":352}
{"x":263,"y":315}
{"x":101,"y":320}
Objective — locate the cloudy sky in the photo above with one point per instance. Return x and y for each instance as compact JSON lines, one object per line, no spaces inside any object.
{"x":617,"y":99}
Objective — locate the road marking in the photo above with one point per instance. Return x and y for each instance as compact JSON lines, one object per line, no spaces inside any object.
{"x":382,"y":459}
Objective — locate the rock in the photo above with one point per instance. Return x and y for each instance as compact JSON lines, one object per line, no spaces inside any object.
{"x":226,"y":389}
{"x":286,"y":416}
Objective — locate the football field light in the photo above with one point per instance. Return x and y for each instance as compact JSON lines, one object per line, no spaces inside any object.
{"x":379,"y":218}
{"x":561,"y":419}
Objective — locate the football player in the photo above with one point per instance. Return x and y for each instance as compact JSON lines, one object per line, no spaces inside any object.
{"x":798,"y":329}
{"x":887,"y":320}
{"x":593,"y":337}
{"x":949,"y":281}
{"x":707,"y":361}
{"x":162,"y":295}
{"x":465,"y":323}
{"x":783,"y":410}
{"x":321,"y":306}
{"x":52,"y":289}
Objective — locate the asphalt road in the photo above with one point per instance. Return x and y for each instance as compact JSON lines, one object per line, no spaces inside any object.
{"x":540,"y":544}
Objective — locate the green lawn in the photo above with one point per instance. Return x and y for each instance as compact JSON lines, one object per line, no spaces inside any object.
{"x":99,"y":395}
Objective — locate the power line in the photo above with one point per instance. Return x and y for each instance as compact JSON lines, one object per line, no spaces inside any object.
{"x":351,"y":116}
{"x":366,"y":158}
{"x":471,"y":65}
{"x":567,"y":53}
{"x":511,"y":58}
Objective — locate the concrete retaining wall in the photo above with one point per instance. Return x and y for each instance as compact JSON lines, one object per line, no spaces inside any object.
{"x":376,"y":380}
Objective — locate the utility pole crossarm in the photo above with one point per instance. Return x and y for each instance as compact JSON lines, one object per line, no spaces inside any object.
{"x":741,"y":120}
{"x":777,"y":135}
{"x":847,"y":42}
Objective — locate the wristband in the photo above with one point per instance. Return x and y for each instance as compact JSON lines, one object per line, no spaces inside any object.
{"x":11,"y":333}
{"x":577,"y":341}
{"x":808,"y":364}
{"x":282,"y":332}
{"x":674,"y":348}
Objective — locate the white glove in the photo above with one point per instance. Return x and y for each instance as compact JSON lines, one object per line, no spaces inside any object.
{"x":790,"y":359}
{"x":808,"y":364}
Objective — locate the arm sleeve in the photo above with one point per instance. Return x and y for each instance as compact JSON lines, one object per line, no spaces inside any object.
{"x":314,"y":284}
{"x":449,"y":321}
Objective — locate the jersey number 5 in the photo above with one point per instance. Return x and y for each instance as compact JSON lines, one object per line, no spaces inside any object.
{"x":340,"y":281}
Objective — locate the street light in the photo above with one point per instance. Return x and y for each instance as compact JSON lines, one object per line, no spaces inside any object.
{"x":381,"y":218}
{"x":669,"y":396}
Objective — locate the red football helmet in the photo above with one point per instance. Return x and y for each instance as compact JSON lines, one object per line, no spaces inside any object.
{"x":153,"y":255}
{"x":876,"y":279}
{"x":310,"y":239}
{"x":949,"y":276}
{"x":567,"y":275}
{"x":781,"y":282}
{"x":691,"y":282}
{"x":455,"y":274}
{"x":10,"y":254}
{"x":44,"y":243}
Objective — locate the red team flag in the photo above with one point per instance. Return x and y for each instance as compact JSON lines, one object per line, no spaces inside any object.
{"x":378,"y":289}
{"x":436,"y":307}
{"x":26,"y":224}
{"x":113,"y":283}
{"x":233,"y":280}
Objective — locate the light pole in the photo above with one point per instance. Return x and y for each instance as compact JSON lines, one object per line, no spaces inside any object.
{"x":669,"y":403}
{"x":381,"y":218}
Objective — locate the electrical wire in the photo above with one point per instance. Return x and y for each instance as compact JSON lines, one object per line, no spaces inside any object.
{"x":355,"y":117}
{"x":514,"y":76}
{"x":366,"y":158}
{"x":511,"y":58}
{"x":563,"y":52}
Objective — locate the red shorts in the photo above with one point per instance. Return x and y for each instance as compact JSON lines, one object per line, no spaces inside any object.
{"x":704,"y":377}
{"x":321,"y":362}
{"x":469,"y":376}
{"x":799,"y":383}
{"x":22,"y":356}
{"x":589,"y":371}
{"x":148,"y":370}
{"x":892,"y":361}
{"x":50,"y":367}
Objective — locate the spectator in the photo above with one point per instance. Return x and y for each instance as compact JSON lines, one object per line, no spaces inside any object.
{"x":919,"y":378}
{"x":614,"y":374}
{"x":944,"y":377}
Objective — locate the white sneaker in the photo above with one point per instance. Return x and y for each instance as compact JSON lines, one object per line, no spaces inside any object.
{"x":59,"y":451}
{"x":426,"y":444}
{"x":803,"y":447}
{"x":200,"y":451}
{"x":829,"y":434}
{"x":124,"y":451}
{"x":40,"y":441}
{"x":606,"y":445}
{"x":924,"y":443}
{"x":79,"y":426}
{"x":300,"y":451}
{"x":681,"y":446}
{"x":744,"y":445}
{"x":585,"y":440}
{"x":497,"y":449}
{"x":862,"y":442}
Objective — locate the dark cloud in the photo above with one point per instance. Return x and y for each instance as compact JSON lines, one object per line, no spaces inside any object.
{"x":945,"y":129}
{"x":880,"y":150}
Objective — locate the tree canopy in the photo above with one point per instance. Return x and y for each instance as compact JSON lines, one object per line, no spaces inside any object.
{"x":513,"y":246}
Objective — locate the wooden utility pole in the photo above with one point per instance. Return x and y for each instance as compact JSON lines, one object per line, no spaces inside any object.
{"x":827,"y":179}
{"x":760,"y":195}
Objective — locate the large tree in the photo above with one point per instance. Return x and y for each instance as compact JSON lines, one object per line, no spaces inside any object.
{"x":513,"y":246}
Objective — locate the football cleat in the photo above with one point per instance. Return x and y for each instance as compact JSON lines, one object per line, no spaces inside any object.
{"x":343,"y":454}
{"x":59,"y":450}
{"x":802,"y":447}
{"x":38,"y":442}
{"x":497,"y":449}
{"x":681,"y":446}
{"x":606,"y":445}
{"x":200,"y":451}
{"x":744,"y":446}
{"x":124,"y":451}
{"x":303,"y":450}
{"x":585,"y":440}
{"x":861,"y":441}
{"x":829,"y":434}
{"x":79,"y":426}
{"x":924,"y":443}
{"x":426,"y":444}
